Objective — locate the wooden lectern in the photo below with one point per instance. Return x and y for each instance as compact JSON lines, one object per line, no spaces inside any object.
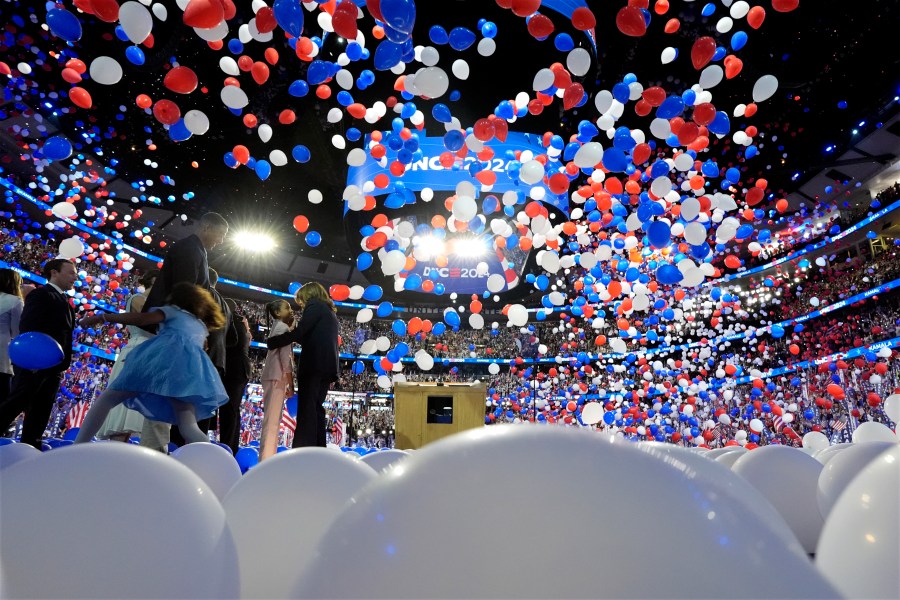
{"x":427,"y":411}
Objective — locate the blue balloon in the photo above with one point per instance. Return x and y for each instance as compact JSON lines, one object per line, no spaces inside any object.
{"x":289,"y":15}
{"x":451,"y":317}
{"x":659,"y":234}
{"x":64,"y":24}
{"x":34,"y":351}
{"x":294,"y":287}
{"x":57,"y":148}
{"x":564,"y":42}
{"x":373,"y":293}
{"x":399,"y":327}
{"x":318,"y":72}
{"x":384,"y":309}
{"x":441,"y":113}
{"x":298,"y":89}
{"x":671,"y":107}
{"x":461,"y":38}
{"x":738,"y":40}
{"x":364,"y":261}
{"x":301,"y":153}
{"x":263,"y":170}
{"x":720,"y":125}
{"x":387,"y":54}
{"x":438,"y":35}
{"x":179,"y":131}
{"x":399,"y":15}
{"x":777,"y":331}
{"x":247,"y":457}
{"x":291,"y":405}
{"x":135,"y":55}
{"x":313,"y":238}
{"x":668,"y":274}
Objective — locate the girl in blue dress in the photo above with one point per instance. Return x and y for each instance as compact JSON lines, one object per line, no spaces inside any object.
{"x":169,"y":377}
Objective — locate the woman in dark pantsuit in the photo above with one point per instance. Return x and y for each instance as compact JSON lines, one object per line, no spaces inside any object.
{"x":318,"y":365}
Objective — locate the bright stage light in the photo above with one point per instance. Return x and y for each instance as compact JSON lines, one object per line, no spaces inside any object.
{"x":253,"y":241}
{"x":471,"y":247}
{"x":429,"y":245}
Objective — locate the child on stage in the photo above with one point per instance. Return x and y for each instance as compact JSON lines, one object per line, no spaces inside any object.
{"x":169,"y":377}
{"x":277,"y":377}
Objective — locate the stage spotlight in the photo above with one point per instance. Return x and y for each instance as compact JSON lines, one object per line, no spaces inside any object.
{"x":470,"y":247}
{"x":429,"y":246}
{"x":253,"y":241}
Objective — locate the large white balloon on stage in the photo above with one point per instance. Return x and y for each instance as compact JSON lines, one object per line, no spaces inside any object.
{"x":859,"y":550}
{"x":112,"y":520}
{"x":789,"y":479}
{"x":841,"y":470}
{"x":213,"y":464}
{"x":280,"y":510}
{"x":435,"y":527}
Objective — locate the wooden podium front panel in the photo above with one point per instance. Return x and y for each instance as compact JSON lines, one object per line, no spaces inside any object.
{"x":420,"y":414}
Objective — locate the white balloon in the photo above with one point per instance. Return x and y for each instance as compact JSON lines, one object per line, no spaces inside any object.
{"x":106,"y":70}
{"x":382,"y":343}
{"x":315,"y":197}
{"x":496,"y":283}
{"x":384,"y":460}
{"x":424,"y":360}
{"x":531,"y":172}
{"x":892,"y":408}
{"x":213,"y":464}
{"x":393,"y":262}
{"x":265,"y":132}
{"x":136,"y":21}
{"x":668,"y":55}
{"x":234,"y":97}
{"x":591,"y":413}
{"x":278,"y":158}
{"x":588,"y":155}
{"x":11,"y":454}
{"x":464,"y":208}
{"x":196,"y":122}
{"x":825,"y":455}
{"x":431,"y":82}
{"x":788,"y":478}
{"x":364,"y":315}
{"x":356,"y":157}
{"x":460,"y":69}
{"x":476,"y":321}
{"x":543,"y":80}
{"x":841,"y":470}
{"x":859,"y":549}
{"x":493,"y":368}
{"x":815,"y":441}
{"x":764,"y":88}
{"x":136,"y":487}
{"x":275,"y":538}
{"x":729,"y":458}
{"x":71,"y":248}
{"x":160,"y":11}
{"x":486,"y":47}
{"x":517,"y":315}
{"x":695,"y":233}
{"x":229,"y":66}
{"x":870,"y":431}
{"x":711,"y":76}
{"x":64,"y":210}
{"x":442,"y":490}
{"x":578,"y":61}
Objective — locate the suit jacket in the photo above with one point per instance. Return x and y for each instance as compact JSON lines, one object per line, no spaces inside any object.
{"x":317,"y":334}
{"x":216,"y":339}
{"x":185,"y":261}
{"x":48,"y":311}
{"x":237,"y":347}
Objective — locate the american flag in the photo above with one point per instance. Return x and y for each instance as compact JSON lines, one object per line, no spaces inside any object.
{"x":76,"y":415}
{"x":717,"y":434}
{"x":288,"y":425}
{"x":838,"y":424}
{"x":778,"y":423}
{"x":337,"y":432}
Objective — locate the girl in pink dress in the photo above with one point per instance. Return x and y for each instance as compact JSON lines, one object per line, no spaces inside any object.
{"x":277,"y":377}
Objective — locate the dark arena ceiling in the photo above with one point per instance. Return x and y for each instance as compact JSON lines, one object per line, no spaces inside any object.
{"x":835,"y":64}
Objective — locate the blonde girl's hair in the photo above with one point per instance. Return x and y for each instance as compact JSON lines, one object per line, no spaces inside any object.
{"x":314,"y":291}
{"x":199,"y":303}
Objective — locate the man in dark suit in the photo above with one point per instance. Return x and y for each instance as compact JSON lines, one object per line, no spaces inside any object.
{"x":237,"y":375}
{"x":319,"y":362}
{"x":47,"y":310}
{"x":186,"y":261}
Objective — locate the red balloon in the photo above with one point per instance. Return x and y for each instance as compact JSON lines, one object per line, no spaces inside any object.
{"x":785,"y":5}
{"x":80,"y":97}
{"x":640,"y":154}
{"x":704,"y":113}
{"x":204,"y":14}
{"x":301,"y":223}
{"x":756,"y":16}
{"x":583,"y":19}
{"x":540,"y":26}
{"x":525,"y":8}
{"x":181,"y":80}
{"x":241,"y":154}
{"x":339,"y":292}
{"x":501,"y":128}
{"x":143,"y":101}
{"x":572,"y":96}
{"x":105,"y":10}
{"x":630,"y":21}
{"x":702,"y":51}
{"x":344,"y":20}
{"x":260,"y":72}
{"x":558,"y":183}
{"x":71,"y":75}
{"x":483,"y":129}
{"x":166,"y":112}
{"x":654,"y":95}
{"x":265,"y":20}
{"x":374,"y":7}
